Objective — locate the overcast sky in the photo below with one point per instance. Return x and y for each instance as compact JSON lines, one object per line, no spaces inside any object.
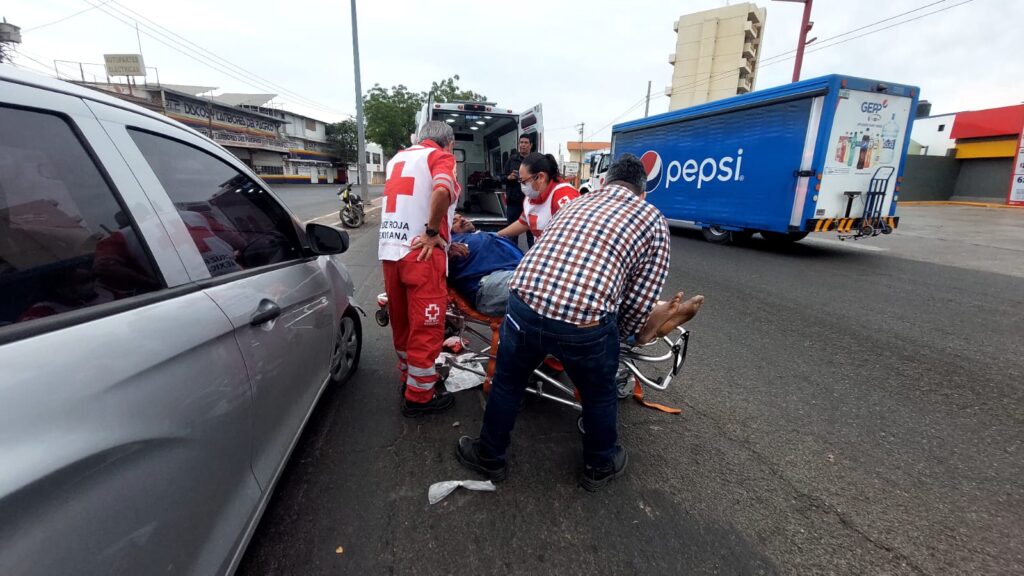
{"x":584,"y":61}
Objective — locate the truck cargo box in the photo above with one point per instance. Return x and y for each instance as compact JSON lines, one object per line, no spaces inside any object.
{"x":820,"y":155}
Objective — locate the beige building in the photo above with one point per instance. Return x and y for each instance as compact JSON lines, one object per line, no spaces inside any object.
{"x":717,"y":54}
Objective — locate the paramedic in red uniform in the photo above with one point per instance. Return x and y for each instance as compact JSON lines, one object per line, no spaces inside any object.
{"x":415,"y":229}
{"x":545,"y":193}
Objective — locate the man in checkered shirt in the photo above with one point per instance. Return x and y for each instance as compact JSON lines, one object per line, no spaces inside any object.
{"x":592,"y":279}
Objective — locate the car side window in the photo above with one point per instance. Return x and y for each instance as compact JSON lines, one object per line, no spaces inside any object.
{"x":233,"y":222}
{"x":66,"y":243}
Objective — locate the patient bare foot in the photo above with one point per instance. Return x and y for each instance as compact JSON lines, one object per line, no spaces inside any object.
{"x":680,"y":313}
{"x":661,"y":314}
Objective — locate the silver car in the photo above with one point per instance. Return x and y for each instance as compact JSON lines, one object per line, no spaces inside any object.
{"x":166,"y":327}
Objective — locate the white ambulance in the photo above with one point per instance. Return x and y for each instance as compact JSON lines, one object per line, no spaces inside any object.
{"x":485,"y":135}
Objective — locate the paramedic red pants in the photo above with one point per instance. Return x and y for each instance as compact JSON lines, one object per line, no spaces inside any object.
{"x":417,"y":300}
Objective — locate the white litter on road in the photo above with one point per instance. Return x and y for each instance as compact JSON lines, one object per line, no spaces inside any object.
{"x":460,"y":377}
{"x":440,"y":490}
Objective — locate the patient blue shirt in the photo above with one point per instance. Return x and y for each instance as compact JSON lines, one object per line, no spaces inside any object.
{"x":488,"y":253}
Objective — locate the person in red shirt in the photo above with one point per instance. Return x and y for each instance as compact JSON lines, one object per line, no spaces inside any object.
{"x":416,"y":219}
{"x":546,"y":193}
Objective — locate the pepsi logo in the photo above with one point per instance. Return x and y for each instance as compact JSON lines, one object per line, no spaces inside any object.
{"x":652,"y":165}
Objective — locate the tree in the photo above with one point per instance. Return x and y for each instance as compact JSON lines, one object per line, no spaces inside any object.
{"x":391,"y":116}
{"x":447,"y":90}
{"x":343,"y":136}
{"x":391,"y":113}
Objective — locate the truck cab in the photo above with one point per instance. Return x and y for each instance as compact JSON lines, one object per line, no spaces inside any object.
{"x":599,"y":162}
{"x":485,"y":135}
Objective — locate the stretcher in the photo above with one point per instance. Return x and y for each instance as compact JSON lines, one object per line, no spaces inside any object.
{"x":479,"y":334}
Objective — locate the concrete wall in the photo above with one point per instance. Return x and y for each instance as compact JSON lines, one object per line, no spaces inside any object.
{"x":987,"y":178}
{"x":928,"y":178}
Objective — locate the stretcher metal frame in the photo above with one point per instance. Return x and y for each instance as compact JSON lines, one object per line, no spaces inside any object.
{"x":462,"y":321}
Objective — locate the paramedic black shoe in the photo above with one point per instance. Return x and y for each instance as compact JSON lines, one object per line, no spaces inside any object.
{"x":467,"y":452}
{"x":594,"y":479}
{"x":441,"y":401}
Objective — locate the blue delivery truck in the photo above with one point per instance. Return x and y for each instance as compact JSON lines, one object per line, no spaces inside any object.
{"x":821,"y":155}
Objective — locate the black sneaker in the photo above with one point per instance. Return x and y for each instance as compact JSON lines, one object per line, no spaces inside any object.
{"x":441,"y":401}
{"x":467,"y":452}
{"x":594,"y":479}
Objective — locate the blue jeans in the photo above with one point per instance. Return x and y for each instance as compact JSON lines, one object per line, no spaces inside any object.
{"x":591,"y":358}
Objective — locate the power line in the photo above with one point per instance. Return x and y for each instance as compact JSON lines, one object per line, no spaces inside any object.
{"x":68,"y":17}
{"x":207,"y":60}
{"x":210,"y":59}
{"x":221,"y":59}
{"x":23,"y":54}
{"x":782,"y":57}
{"x":779,"y":58}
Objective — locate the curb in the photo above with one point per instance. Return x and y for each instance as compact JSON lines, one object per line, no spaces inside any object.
{"x":954,"y":203}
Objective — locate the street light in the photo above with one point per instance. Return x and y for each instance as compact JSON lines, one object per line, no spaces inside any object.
{"x":805,"y":27}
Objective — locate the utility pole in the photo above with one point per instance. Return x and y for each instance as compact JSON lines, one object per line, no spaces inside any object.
{"x":138,"y":39}
{"x":360,"y":129}
{"x":805,"y":27}
{"x":579,"y":167}
{"x":647,"y":106}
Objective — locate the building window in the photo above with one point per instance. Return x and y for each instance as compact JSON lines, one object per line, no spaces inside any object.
{"x":277,"y":170}
{"x":376,"y":158}
{"x":942,"y":127}
{"x":310,"y":125}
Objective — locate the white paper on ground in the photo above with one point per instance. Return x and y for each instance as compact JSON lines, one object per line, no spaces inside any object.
{"x":439,"y":490}
{"x":458,"y":378}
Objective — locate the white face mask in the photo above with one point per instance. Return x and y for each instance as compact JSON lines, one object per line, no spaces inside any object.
{"x":531,"y":192}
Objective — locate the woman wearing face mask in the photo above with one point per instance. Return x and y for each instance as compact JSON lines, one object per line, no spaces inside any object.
{"x":545,"y":193}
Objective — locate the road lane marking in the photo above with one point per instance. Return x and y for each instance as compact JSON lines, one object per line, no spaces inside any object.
{"x":335,"y":214}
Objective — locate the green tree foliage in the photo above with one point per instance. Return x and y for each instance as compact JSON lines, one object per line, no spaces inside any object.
{"x":447,"y":90}
{"x":391,"y":116}
{"x":344,"y":138}
{"x":391,"y":113}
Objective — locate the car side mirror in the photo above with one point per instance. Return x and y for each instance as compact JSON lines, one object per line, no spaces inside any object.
{"x":326,"y":239}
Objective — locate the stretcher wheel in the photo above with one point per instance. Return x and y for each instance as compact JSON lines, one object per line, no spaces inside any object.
{"x":381,"y":316}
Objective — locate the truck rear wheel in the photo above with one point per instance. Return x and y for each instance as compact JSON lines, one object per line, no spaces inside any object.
{"x":781,"y":237}
{"x":716,"y":235}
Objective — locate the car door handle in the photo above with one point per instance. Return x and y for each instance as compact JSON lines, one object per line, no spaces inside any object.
{"x":265,"y":312}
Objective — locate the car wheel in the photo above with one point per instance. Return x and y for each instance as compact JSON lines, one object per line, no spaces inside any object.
{"x":716,"y":235}
{"x":348,"y":345}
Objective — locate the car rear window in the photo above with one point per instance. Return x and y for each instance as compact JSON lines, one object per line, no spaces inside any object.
{"x":66,"y":243}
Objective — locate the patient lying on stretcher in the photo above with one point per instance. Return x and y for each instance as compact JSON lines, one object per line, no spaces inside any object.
{"x":481,"y":264}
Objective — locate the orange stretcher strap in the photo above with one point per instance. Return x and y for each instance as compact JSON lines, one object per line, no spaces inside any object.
{"x":638,"y":395}
{"x":493,"y":321}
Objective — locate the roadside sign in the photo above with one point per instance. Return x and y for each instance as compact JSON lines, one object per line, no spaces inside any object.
{"x":124,"y":64}
{"x":1016,"y":196}
{"x":570,"y":169}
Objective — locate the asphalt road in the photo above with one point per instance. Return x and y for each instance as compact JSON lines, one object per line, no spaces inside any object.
{"x":316,"y":202}
{"x":847,"y":409}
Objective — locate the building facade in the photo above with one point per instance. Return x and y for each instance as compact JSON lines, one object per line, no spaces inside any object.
{"x":990,"y":146}
{"x":279,"y":145}
{"x":717,"y":54}
{"x":932,"y":135}
{"x":581,"y":152}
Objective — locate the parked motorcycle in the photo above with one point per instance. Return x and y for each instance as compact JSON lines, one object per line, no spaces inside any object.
{"x":351,"y":213}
